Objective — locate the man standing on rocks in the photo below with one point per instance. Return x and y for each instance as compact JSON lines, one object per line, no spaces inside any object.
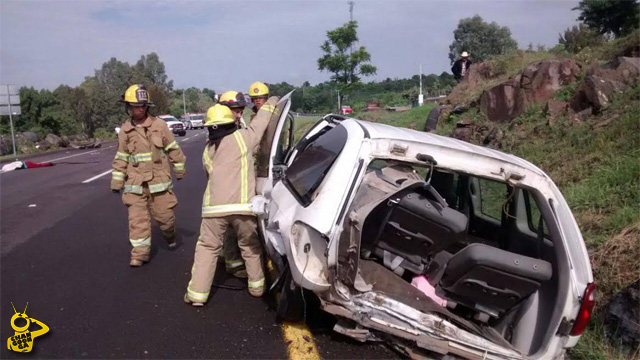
{"x":460,"y":68}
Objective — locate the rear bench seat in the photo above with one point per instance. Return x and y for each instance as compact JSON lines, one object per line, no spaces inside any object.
{"x":490,"y":280}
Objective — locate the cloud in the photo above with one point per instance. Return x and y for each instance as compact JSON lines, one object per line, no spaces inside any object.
{"x":229,"y":44}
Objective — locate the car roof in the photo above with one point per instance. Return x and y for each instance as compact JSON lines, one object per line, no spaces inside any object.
{"x":382,"y":131}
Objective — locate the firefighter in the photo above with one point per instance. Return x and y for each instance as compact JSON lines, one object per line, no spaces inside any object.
{"x":259,"y":93}
{"x":141,"y":168}
{"x":233,"y":261}
{"x":236,"y":102}
{"x":228,"y":162}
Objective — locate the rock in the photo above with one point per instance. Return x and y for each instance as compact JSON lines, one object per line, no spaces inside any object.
{"x":494,"y":137}
{"x":540,"y":80}
{"x":554,"y":109}
{"x":53,"y":140}
{"x":43,"y":146}
{"x":432,"y":119}
{"x":64,"y":141}
{"x":5,"y":145}
{"x":503,"y":102}
{"x":602,"y":82}
{"x":30,"y":136}
{"x":463,"y":131}
{"x":621,"y":318}
{"x":624,"y":69}
{"x":596,"y":92}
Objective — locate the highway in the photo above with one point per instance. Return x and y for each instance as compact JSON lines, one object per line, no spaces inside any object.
{"x":64,"y":249}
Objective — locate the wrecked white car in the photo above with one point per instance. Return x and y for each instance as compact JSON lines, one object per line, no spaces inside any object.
{"x":431,"y":244}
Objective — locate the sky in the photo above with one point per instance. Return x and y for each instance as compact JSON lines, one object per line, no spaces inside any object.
{"x":225,"y":45}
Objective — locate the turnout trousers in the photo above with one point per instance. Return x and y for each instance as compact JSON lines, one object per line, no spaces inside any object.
{"x":209,"y":246}
{"x":141,"y":208}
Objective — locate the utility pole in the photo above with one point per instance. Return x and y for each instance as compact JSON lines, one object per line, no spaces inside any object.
{"x":421,"y":96}
{"x":184,"y":104}
{"x":351,"y":3}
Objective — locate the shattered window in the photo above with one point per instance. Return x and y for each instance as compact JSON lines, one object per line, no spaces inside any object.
{"x":309,"y":168}
{"x":493,"y":196}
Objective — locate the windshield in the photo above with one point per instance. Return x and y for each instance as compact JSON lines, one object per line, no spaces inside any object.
{"x":169,"y":118}
{"x":197,"y":117}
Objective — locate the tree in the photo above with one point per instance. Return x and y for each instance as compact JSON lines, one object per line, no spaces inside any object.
{"x":150,"y":70}
{"x":617,"y":17}
{"x":347,"y":66}
{"x":579,"y":37}
{"x":482,"y":40}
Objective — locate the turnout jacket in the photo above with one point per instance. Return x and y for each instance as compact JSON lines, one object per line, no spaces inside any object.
{"x":231,"y":179}
{"x":143,"y":157}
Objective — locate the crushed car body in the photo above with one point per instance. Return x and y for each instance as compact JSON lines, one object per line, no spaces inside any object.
{"x":431,"y":244}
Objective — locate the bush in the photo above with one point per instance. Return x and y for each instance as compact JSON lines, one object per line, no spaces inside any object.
{"x":105,"y":134}
{"x":579,"y":37}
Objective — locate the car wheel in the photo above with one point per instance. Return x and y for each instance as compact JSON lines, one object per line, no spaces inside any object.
{"x":290,"y":304}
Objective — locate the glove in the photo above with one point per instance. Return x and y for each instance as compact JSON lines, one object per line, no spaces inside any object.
{"x":115,"y":191}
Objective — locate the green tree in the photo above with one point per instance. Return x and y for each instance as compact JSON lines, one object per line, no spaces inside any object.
{"x":579,"y":37}
{"x":347,"y":65}
{"x":150,"y":70}
{"x":617,"y":17}
{"x":480,"y":39}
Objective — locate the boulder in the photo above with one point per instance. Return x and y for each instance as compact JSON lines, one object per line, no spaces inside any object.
{"x":503,"y":102}
{"x":432,"y":119}
{"x":65,"y":141}
{"x":540,"y":80}
{"x":30,"y":136}
{"x":494,"y":137}
{"x":43,"y":145}
{"x":625,"y":70}
{"x":463,"y":131}
{"x":622,"y":318}
{"x":596,"y":92}
{"x":5,"y":145}
{"x":53,"y":140}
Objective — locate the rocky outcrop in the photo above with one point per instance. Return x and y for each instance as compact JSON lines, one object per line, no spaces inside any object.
{"x":52,"y":140}
{"x":622,"y":318}
{"x":554,"y":109}
{"x":29,"y":136}
{"x":602,"y":83}
{"x":537,"y":83}
{"x":503,"y":102}
{"x":540,"y":80}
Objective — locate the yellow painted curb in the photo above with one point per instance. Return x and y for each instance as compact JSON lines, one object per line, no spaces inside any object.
{"x":300,"y":344}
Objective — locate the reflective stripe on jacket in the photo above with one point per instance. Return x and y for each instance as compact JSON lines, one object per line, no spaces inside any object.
{"x":143,"y":156}
{"x":229,"y":167}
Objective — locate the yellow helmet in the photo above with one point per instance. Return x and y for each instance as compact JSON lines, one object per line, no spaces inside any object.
{"x":258,"y":89}
{"x":137,"y":95}
{"x":233,"y":99}
{"x":219,"y":115}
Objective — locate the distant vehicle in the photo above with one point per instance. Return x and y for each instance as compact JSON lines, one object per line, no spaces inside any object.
{"x":193,"y":121}
{"x":372,"y":106}
{"x":174,"y":125}
{"x":346,"y":109}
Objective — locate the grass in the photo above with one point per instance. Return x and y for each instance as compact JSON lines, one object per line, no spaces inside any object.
{"x":414,"y":118}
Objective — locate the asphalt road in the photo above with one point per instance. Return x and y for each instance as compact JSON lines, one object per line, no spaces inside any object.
{"x":64,"y":249}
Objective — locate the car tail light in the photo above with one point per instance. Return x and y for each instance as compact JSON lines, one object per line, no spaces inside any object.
{"x":584,"y":315}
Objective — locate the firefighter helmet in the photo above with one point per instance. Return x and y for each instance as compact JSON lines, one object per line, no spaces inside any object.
{"x":258,"y":89}
{"x":137,"y":95}
{"x":219,"y":115}
{"x":233,"y":99}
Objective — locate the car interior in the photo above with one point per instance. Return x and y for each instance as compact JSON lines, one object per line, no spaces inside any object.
{"x":483,"y":245}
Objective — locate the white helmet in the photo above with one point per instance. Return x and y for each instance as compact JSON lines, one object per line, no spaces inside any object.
{"x":464,"y":54}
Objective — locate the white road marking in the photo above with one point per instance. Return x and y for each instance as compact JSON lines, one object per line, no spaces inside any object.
{"x":97,"y":176}
{"x":185,"y":139}
{"x":84,"y":153}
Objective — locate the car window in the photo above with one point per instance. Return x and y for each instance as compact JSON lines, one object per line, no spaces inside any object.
{"x":311,"y":165}
{"x":493,"y":196}
{"x":197,"y":117}
{"x":534,"y":214}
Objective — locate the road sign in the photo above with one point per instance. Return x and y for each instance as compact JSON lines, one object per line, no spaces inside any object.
{"x":10,"y":95}
{"x":15,"y":110}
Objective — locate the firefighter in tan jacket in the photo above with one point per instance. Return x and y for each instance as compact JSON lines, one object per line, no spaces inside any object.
{"x":141,"y":168}
{"x":228,"y":162}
